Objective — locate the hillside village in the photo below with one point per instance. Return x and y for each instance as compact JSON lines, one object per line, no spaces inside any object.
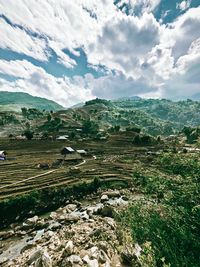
{"x":107,"y":155}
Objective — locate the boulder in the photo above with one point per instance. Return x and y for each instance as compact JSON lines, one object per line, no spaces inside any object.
{"x":111,"y":194}
{"x":3,"y":260}
{"x":54,"y":226}
{"x":71,"y":261}
{"x":71,"y":207}
{"x":69,"y":248}
{"x":44,"y":261}
{"x":34,"y":256}
{"x":72,"y":218}
{"x":6,"y":234}
{"x":90,"y":263}
{"x":104,"y":198}
{"x":102,"y":257}
{"x":32,"y":221}
{"x":106,"y":211}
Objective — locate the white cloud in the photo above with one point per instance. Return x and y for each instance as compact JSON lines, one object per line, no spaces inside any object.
{"x":141,"y":56}
{"x":139,"y":6}
{"x":124,"y":43}
{"x":17,"y":40}
{"x":183,"y":5}
{"x":180,"y":34}
{"x":116,"y":85}
{"x":35,"y":81}
{"x":63,"y":24}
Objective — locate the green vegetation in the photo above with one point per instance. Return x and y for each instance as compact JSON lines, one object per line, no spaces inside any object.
{"x":16,"y":99}
{"x":40,"y":201}
{"x":169,"y":217}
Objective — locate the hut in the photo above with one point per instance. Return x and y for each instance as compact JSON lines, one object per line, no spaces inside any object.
{"x":62,"y":138}
{"x":2,"y":155}
{"x":67,"y":150}
{"x":81,"y":152}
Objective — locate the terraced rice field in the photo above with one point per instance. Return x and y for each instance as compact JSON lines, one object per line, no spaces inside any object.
{"x":20,"y":173}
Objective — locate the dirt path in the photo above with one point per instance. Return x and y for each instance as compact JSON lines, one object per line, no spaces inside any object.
{"x":43,"y":174}
{"x":27,"y":179}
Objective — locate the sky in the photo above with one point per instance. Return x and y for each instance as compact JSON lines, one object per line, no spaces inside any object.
{"x":73,"y":51}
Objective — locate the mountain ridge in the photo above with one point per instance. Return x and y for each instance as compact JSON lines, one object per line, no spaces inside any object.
{"x":14,"y":101}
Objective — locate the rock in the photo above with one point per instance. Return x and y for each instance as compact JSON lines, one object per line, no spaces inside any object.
{"x":54,"y":226}
{"x":69,"y":249}
{"x":41,"y":224}
{"x":53,"y":215}
{"x":44,"y":261}
{"x":107,"y":264}
{"x":3,"y":260}
{"x":125,"y":198}
{"x":72,"y":218}
{"x":110,"y":222}
{"x":71,"y":261}
{"x":84,"y":215}
{"x":104,"y":198}
{"x":36,"y":255}
{"x":106,"y":211}
{"x":115,"y":261}
{"x":94,"y":252}
{"x":111,"y":194}
{"x":32,"y":221}
{"x":131,"y":254}
{"x":6,"y":234}
{"x":102,"y":257}
{"x":27,"y":246}
{"x":103,"y":245}
{"x":71,"y":207}
{"x":90,"y":263}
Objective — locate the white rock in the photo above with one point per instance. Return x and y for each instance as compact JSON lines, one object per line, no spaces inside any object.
{"x":90,"y":263}
{"x":104,"y":198}
{"x":69,"y":248}
{"x":32,"y":221}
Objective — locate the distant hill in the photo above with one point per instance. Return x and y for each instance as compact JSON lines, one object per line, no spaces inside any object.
{"x":152,"y":116}
{"x":14,"y":101}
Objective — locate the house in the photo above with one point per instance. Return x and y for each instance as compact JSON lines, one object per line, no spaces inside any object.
{"x":67,"y":150}
{"x":62,"y":137}
{"x":2,"y":155}
{"x":81,"y":152}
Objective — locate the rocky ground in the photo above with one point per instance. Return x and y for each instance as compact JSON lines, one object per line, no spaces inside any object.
{"x":78,"y":234}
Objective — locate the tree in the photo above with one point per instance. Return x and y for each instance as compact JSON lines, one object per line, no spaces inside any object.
{"x":28,"y":134}
{"x":90,"y":127}
{"x":49,"y":117}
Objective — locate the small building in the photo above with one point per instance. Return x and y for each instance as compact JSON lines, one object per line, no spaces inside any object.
{"x":62,"y":138}
{"x":67,"y":150}
{"x":2,"y":155}
{"x":81,"y":152}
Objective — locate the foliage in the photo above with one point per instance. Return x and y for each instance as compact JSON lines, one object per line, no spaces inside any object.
{"x":169,"y":218}
{"x":90,"y":127}
{"x":98,"y":101}
{"x":28,"y":134}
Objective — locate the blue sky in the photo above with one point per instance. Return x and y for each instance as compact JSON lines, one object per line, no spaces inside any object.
{"x":72,"y":51}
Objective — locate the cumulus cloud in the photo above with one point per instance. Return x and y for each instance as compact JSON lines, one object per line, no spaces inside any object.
{"x":183,"y":5}
{"x":124,"y":42}
{"x":19,"y":41}
{"x":138,"y":6}
{"x":35,"y":81}
{"x":139,"y":55}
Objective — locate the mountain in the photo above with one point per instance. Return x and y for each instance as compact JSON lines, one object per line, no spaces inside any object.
{"x":14,"y":101}
{"x":152,"y":116}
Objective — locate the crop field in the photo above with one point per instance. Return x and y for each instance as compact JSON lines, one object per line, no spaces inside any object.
{"x":106,"y":160}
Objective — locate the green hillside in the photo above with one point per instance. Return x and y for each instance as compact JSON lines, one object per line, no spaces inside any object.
{"x":13,"y":101}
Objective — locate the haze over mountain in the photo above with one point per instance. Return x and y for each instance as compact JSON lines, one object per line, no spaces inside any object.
{"x":73,"y":51}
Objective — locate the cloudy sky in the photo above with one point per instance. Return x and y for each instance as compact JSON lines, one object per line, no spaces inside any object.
{"x":72,"y":51}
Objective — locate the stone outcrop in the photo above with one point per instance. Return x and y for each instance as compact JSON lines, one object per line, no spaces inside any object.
{"x":74,"y":235}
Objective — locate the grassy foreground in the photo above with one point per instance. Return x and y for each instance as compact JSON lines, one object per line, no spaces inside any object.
{"x":166,"y":224}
